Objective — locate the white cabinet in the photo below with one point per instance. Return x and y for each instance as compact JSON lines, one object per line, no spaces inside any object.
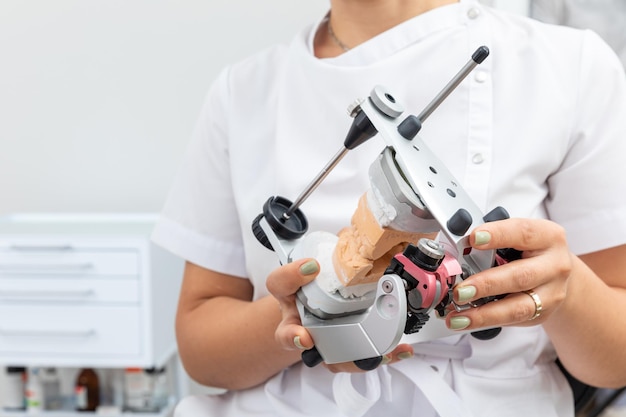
{"x":86,"y":291}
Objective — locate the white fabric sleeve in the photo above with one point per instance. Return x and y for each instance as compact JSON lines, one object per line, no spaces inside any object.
{"x":199,"y":220}
{"x":587,"y":194}
{"x":549,"y":11}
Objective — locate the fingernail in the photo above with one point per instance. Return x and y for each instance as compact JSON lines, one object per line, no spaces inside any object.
{"x":309,"y":267}
{"x":459,"y":322}
{"x":296,"y":341}
{"x":482,"y":238}
{"x":405,"y":355}
{"x":386,"y":359}
{"x":466,"y":293}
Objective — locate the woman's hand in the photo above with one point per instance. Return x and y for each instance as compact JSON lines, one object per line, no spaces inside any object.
{"x":536,"y":283}
{"x":283,"y":283}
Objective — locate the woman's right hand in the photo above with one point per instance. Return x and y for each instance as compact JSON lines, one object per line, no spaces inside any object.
{"x":283,"y":283}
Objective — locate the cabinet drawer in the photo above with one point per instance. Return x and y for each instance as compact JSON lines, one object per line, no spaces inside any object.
{"x":68,"y":261}
{"x":59,"y":290}
{"x":70,"y":331}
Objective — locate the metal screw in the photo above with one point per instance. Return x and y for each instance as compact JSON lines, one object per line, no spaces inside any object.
{"x":431,"y":248}
{"x":355,"y":107}
{"x":387,"y":286}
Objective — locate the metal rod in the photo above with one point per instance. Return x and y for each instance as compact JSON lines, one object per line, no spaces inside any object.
{"x":443,"y":94}
{"x":316,"y":181}
{"x":478,"y":56}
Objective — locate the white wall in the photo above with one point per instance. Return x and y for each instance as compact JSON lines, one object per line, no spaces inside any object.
{"x":98,"y":98}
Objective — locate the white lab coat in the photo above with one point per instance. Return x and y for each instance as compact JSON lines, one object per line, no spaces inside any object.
{"x":533,"y":129}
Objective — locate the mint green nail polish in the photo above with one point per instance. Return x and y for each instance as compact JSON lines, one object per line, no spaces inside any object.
{"x":482,"y":238}
{"x":309,"y":268}
{"x":297,"y":343}
{"x":459,"y":323}
{"x":405,"y":355}
{"x":466,"y":293}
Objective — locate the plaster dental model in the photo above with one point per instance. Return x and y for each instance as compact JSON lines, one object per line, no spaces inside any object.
{"x":365,"y":248}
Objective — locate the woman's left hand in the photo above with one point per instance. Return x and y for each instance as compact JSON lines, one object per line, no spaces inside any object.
{"x":536,"y":284}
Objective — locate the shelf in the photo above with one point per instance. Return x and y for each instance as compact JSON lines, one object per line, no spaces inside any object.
{"x":107,"y":292}
{"x":167,"y":411}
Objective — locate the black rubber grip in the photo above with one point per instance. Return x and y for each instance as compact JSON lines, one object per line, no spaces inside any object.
{"x":311,"y":357}
{"x":481,"y":53}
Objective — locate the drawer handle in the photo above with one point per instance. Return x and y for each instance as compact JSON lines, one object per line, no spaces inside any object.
{"x":53,"y":294}
{"x":48,"y":333}
{"x":38,"y":248}
{"x":81,"y":267}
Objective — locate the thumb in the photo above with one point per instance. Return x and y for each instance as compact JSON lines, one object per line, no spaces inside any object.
{"x":287,"y":279}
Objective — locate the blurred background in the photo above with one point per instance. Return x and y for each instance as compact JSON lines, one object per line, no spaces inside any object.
{"x":98,"y":98}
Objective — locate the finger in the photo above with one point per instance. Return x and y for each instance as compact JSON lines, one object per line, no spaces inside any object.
{"x":401,"y":352}
{"x":286,"y":280}
{"x":548,"y":271}
{"x":505,"y":279}
{"x":515,"y":309}
{"x":520,"y":234}
{"x":289,"y":311}
{"x":292,"y":336}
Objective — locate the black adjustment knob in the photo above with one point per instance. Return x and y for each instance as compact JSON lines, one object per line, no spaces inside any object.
{"x":369,"y":364}
{"x":258,"y":232}
{"x":460,"y":222}
{"x":360,"y":131}
{"x":498,"y":213}
{"x":509,"y":254}
{"x":487,"y":334}
{"x":311,"y":357}
{"x":410,"y":127}
{"x":292,"y":227}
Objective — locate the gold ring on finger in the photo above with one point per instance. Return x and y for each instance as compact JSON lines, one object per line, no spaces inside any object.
{"x":538,"y":303}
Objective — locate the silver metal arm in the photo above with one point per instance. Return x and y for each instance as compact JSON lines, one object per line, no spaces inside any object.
{"x":430,"y":181}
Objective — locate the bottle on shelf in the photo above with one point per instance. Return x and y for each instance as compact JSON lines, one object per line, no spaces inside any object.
{"x":158,"y":388}
{"x":51,"y":382}
{"x":136,"y":390}
{"x":145,"y":390}
{"x":87,"y":390}
{"x":34,"y":391}
{"x":118,"y":388}
{"x":15,"y":377}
